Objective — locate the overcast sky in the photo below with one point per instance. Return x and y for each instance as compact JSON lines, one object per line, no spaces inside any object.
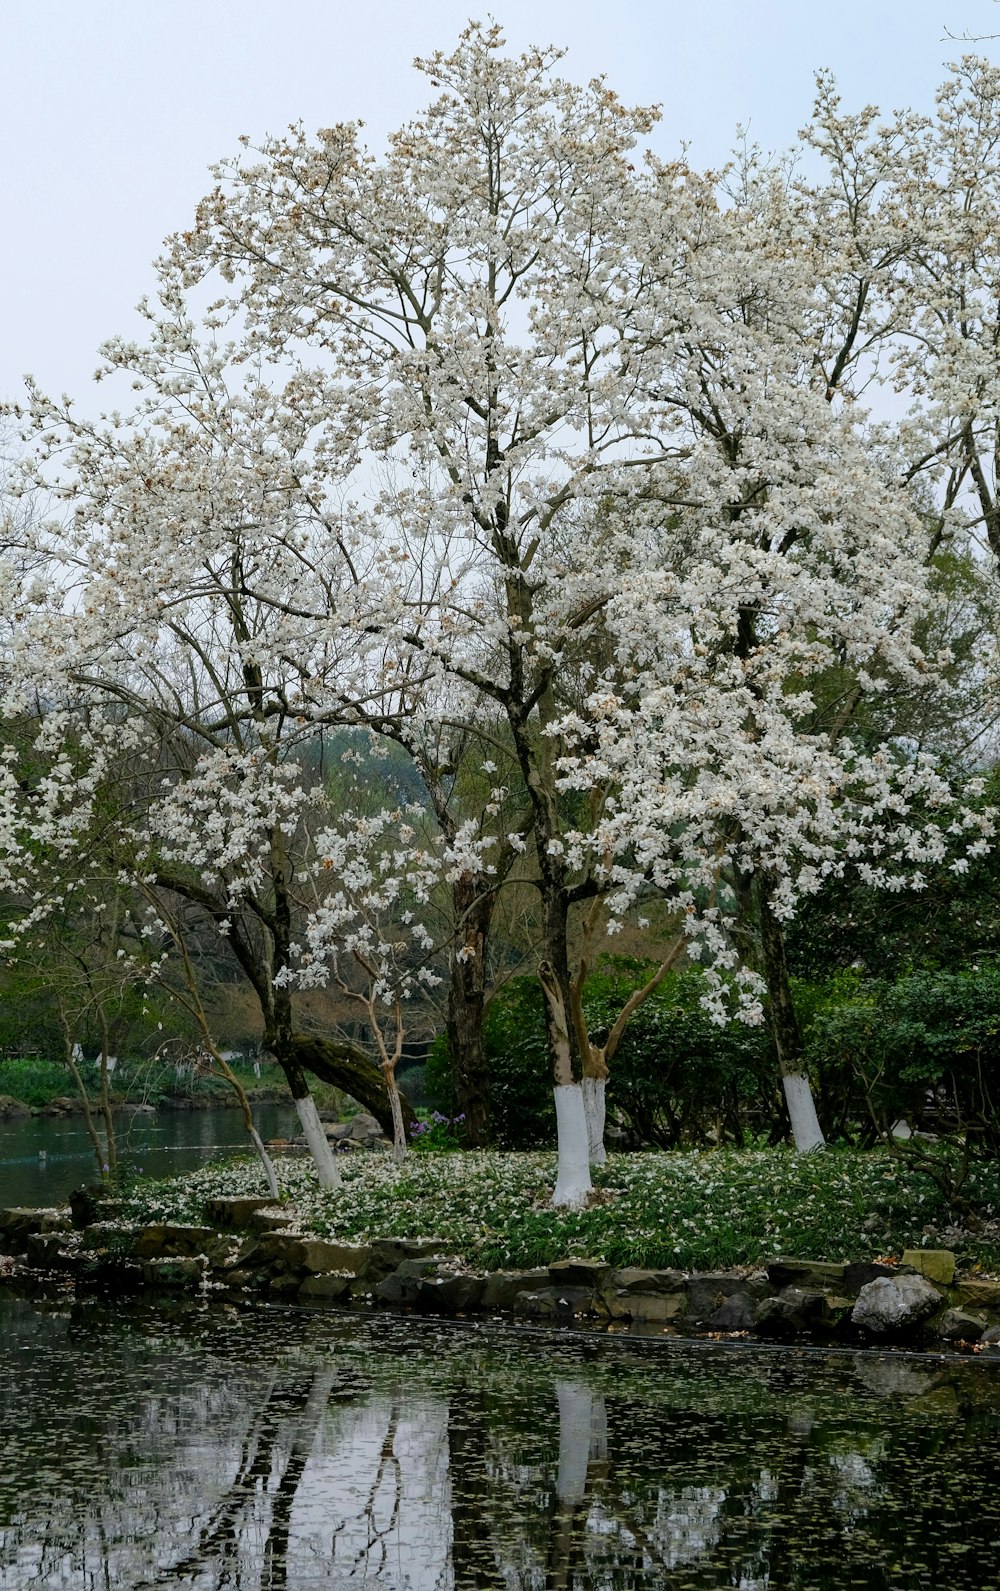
{"x":112,"y":110}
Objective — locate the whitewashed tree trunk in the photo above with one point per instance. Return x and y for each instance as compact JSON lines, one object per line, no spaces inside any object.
{"x":583,"y":1438}
{"x":573,"y":1179}
{"x":806,"y":1130}
{"x":327,"y":1168}
{"x":593,"y":1104}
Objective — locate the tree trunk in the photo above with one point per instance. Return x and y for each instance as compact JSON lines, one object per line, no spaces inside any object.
{"x":806,"y":1130}
{"x":573,"y":1182}
{"x":346,"y":1067}
{"x":399,"y":1132}
{"x":473,"y":907}
{"x":594,"y":1087}
{"x":327,"y":1168}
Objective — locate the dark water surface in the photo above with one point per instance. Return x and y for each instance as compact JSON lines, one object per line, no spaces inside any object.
{"x":197,"y":1447}
{"x":43,"y":1157}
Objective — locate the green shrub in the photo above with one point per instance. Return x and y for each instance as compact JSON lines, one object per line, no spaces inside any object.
{"x":677,"y":1079}
{"x":925,"y":1048}
{"x":34,"y":1080}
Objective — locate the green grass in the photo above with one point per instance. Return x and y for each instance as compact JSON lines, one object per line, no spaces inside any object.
{"x":37,"y":1081}
{"x":694,"y":1211}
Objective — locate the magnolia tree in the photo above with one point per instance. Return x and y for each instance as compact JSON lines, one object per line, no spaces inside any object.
{"x":371,"y":882}
{"x":530,"y":432}
{"x":173,"y":618}
{"x":606,"y":399}
{"x":466,"y":293}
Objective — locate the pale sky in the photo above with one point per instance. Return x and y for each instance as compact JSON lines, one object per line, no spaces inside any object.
{"x":112,"y":110}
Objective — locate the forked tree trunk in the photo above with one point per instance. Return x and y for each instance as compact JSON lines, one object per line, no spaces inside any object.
{"x":596,"y":1058}
{"x":806,"y":1131}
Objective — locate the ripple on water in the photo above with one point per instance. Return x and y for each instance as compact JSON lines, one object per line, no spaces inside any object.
{"x":197,"y":1446}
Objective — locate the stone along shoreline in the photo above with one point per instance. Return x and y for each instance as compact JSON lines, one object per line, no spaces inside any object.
{"x":250,"y":1248}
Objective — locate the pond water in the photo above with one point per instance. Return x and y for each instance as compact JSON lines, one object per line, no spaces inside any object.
{"x":43,"y":1157}
{"x":196,"y":1446}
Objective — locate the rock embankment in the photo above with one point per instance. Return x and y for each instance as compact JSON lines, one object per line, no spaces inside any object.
{"x":251,"y":1245}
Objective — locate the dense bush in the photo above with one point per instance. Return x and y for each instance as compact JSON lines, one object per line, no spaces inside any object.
{"x":34,"y":1081}
{"x":677,"y":1079}
{"x":925,"y":1048}
{"x":522,"y":1112}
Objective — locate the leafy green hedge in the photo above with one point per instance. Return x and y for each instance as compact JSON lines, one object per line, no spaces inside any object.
{"x":925,"y":1048}
{"x":677,"y":1078}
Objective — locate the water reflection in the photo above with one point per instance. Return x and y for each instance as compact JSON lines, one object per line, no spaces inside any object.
{"x":43,"y":1157}
{"x":197,"y":1447}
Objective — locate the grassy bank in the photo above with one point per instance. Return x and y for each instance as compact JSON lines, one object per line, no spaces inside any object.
{"x":694,"y":1211}
{"x":39,"y":1084}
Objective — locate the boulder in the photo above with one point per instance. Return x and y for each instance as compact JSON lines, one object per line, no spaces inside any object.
{"x":402,"y":1286}
{"x":318,"y":1256}
{"x":364,"y":1126}
{"x":225,"y":1251}
{"x":112,"y":1238}
{"x":818,"y":1276}
{"x":285,"y":1285}
{"x":793,"y":1310}
{"x":329,"y":1287}
{"x":12,"y":1109}
{"x":62,"y":1105}
{"x":936,"y":1264}
{"x":977,"y":1293}
{"x":651,"y":1307}
{"x":388,"y":1253}
{"x":707,"y":1291}
{"x":232,"y":1214}
{"x":736,"y":1313}
{"x":957,"y":1325}
{"x":595,"y":1274}
{"x":551,"y":1303}
{"x":177,"y":1271}
{"x":273,"y":1220}
{"x":635,"y":1280}
{"x":170,"y":1241}
{"x":894,"y":1304}
{"x":451,"y":1293}
{"x":502,"y":1287}
{"x":52,"y":1250}
{"x":859,"y":1273}
{"x":18,"y":1223}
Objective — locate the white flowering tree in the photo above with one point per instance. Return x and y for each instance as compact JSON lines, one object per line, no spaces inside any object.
{"x":170,"y":616}
{"x":607,"y":403}
{"x":463,"y":291}
{"x":781,"y":597}
{"x":527,"y":431}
